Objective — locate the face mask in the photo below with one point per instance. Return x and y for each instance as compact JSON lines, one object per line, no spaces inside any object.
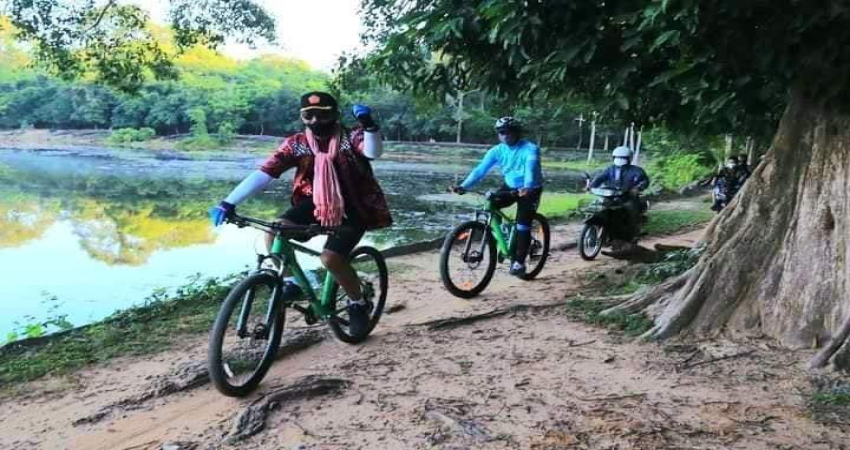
{"x":322,"y":129}
{"x":621,"y":161}
{"x":508,"y":138}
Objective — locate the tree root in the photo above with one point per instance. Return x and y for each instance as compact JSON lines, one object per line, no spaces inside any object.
{"x":647,"y":301}
{"x":252,"y":419}
{"x":193,"y":374}
{"x":837,"y":351}
{"x":454,"y":322}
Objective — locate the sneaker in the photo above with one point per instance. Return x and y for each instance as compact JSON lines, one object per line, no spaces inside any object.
{"x":358,"y":318}
{"x":517,"y":269}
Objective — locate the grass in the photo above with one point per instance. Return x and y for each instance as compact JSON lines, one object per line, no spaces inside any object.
{"x":590,"y":311}
{"x":141,"y":330}
{"x":831,"y":398}
{"x":558,"y":205}
{"x":671,"y":221}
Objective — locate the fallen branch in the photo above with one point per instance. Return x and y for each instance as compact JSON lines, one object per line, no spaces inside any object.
{"x":252,"y":419}
{"x":454,"y":322}
{"x":714,"y":360}
{"x":614,"y":397}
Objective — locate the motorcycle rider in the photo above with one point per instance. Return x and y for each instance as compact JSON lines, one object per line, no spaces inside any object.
{"x":629,"y":179}
{"x":726,"y":183}
{"x":519,"y":161}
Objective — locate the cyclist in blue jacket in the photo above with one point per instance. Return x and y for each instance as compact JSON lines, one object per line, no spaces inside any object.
{"x":519,"y":161}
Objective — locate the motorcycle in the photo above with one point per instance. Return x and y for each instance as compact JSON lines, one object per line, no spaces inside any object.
{"x":723,"y":192}
{"x":606,"y":222}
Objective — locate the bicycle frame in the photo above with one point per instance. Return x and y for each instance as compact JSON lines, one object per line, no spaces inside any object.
{"x":494,"y":219}
{"x":283,"y":253}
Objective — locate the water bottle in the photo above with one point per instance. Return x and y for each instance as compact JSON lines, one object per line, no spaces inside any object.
{"x":291,"y":290}
{"x":313,"y":279}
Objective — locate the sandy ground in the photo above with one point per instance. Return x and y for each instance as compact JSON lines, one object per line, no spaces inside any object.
{"x":533,"y":379}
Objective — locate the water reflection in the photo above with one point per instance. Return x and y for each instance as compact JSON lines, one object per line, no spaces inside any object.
{"x":102,"y":233}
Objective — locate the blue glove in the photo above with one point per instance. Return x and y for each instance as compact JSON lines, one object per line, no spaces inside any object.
{"x":360,"y":110}
{"x":363,"y":114}
{"x":219,"y":213}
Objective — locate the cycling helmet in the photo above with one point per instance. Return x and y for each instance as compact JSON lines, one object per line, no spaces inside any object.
{"x":622,"y":152}
{"x":508,"y":123}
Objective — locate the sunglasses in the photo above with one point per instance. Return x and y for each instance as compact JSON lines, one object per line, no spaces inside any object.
{"x":319,"y":114}
{"x":505,"y":131}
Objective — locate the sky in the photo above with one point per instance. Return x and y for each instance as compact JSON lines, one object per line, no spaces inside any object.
{"x":298,"y":33}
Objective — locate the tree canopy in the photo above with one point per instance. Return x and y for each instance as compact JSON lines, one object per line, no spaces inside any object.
{"x":113,"y":42}
{"x":722,"y":65}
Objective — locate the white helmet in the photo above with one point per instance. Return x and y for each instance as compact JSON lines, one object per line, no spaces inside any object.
{"x":622,"y":152}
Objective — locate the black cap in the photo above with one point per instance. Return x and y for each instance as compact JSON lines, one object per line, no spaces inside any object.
{"x":318,"y":100}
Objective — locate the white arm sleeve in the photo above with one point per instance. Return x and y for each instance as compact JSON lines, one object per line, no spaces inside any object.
{"x":249,"y":186}
{"x":373,"y":145}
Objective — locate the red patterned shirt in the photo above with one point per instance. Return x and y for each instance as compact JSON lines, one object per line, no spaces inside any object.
{"x":359,"y":187}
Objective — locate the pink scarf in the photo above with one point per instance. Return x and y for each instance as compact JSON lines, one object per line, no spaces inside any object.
{"x":330,"y":207}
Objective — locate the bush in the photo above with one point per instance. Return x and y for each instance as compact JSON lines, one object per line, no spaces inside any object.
{"x":127,"y":135}
{"x":678,"y":170}
{"x":226,"y":133}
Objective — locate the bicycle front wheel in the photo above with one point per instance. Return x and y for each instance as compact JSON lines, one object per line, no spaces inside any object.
{"x":538,"y":250}
{"x":371,"y":270}
{"x":467,"y":262}
{"x":246,"y":335}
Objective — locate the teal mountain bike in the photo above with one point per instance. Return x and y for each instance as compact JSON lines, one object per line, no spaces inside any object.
{"x":247,"y":331}
{"x":470,"y":251}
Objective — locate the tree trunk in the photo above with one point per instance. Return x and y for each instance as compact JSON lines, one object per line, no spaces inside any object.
{"x":775,"y":261}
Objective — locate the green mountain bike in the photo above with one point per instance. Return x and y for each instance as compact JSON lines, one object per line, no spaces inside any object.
{"x":247,"y":331}
{"x":469,"y":253}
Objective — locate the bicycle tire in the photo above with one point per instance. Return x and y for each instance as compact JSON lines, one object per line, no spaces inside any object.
{"x":544,"y":250}
{"x":470,"y":227}
{"x":216,"y":352}
{"x":336,"y":325}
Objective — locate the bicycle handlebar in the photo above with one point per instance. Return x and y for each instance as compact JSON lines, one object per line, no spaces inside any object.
{"x":278,"y":228}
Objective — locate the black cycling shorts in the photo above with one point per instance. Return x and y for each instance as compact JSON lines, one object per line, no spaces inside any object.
{"x":526,"y":206}
{"x":347,"y":235}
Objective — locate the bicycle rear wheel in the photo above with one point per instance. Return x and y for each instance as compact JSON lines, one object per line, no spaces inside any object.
{"x":538,"y":250}
{"x":371,"y":269}
{"x":466,"y":267}
{"x":246,"y":335}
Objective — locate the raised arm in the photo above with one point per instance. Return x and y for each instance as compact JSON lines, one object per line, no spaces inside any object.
{"x":372,"y":145}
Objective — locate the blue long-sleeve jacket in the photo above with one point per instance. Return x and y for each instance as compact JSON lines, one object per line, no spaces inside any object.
{"x":629,"y":177}
{"x":519,"y":164}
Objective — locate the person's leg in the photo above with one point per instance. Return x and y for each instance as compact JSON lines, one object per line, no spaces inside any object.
{"x":632,"y":209}
{"x":335,"y":259}
{"x":526,"y":207}
{"x":300,"y":214}
{"x":335,"y":255}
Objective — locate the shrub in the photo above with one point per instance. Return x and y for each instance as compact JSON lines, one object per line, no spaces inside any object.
{"x":678,"y":170}
{"x":128,"y":135}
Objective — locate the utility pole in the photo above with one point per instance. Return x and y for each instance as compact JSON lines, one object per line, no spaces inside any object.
{"x":580,"y":119}
{"x":592,"y":138}
{"x":459,"y":116}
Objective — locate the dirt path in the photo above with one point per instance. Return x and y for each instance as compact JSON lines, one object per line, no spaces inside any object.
{"x":534,"y":379}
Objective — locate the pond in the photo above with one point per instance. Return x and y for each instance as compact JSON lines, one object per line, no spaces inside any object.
{"x":84,"y":233}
